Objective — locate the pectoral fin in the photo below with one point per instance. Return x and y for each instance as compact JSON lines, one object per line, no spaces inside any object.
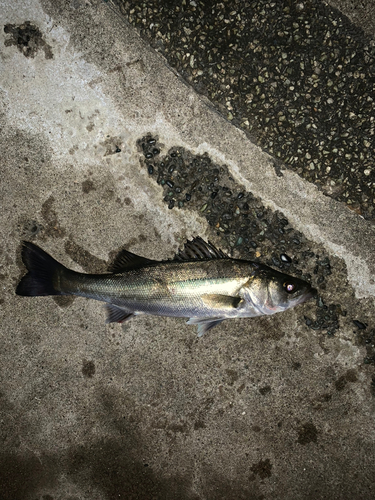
{"x":221,"y":301}
{"x":204,"y":324}
{"x":116,"y":314}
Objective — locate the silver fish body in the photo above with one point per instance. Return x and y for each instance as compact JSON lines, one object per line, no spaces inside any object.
{"x":201,"y":283}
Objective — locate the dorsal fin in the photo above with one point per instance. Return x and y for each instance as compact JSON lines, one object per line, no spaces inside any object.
{"x":126,"y":260}
{"x":198,"y":249}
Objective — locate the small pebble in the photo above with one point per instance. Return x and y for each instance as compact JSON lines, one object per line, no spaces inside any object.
{"x":285,"y":258}
{"x":359,"y":324}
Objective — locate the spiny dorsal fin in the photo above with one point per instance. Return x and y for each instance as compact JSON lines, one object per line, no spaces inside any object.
{"x":198,"y":249}
{"x":125,"y":261}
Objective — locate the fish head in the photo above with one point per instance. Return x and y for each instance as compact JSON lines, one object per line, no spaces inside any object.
{"x":270,"y":291}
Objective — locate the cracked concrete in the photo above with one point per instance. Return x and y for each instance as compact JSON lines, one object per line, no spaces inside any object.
{"x":263,"y":408}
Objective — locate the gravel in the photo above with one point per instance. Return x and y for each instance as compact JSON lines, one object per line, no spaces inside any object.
{"x":298,"y":78}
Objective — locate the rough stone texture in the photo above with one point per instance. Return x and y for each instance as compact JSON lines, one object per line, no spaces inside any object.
{"x":256,"y":409}
{"x":360,"y":12}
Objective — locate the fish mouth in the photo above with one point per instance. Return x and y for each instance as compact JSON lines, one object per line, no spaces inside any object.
{"x":304,"y":297}
{"x":313,"y":292}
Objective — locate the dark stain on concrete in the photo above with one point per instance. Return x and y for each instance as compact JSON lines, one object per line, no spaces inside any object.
{"x":321,"y":401}
{"x":366,"y":337}
{"x":22,"y":476}
{"x":85,"y":259}
{"x":199,"y":424}
{"x":88,"y":368}
{"x":349,"y":376}
{"x":262,"y":469}
{"x":113,"y":467}
{"x":217,"y":487}
{"x":265,"y":390}
{"x":28,"y":39}
{"x":232,"y":376}
{"x":241,"y":388}
{"x":112,"y":145}
{"x":308,"y":433}
{"x":88,"y":186}
{"x":52,"y":226}
{"x":122,"y":466}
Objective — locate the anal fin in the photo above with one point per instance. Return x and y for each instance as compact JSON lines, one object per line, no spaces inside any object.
{"x":117,"y":315}
{"x":204,"y":324}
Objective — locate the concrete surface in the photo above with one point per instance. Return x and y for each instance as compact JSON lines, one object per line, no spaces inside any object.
{"x":256,"y":409}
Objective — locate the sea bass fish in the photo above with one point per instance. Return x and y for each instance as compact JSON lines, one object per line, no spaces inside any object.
{"x":201,"y":283}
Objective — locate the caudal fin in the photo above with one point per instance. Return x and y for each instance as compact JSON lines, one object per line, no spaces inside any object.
{"x":42,"y":269}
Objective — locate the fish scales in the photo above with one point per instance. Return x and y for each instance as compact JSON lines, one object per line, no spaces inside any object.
{"x":168,"y":289}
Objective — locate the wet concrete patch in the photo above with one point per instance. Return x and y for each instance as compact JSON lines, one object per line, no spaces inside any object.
{"x":341,"y":383}
{"x":217,"y":487}
{"x":24,"y":475}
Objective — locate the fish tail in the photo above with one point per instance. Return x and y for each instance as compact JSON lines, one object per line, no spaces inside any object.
{"x":42,"y":270}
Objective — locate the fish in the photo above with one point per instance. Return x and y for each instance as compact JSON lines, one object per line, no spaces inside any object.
{"x":201,"y":283}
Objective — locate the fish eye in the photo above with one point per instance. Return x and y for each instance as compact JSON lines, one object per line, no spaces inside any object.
{"x":289,"y":287}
